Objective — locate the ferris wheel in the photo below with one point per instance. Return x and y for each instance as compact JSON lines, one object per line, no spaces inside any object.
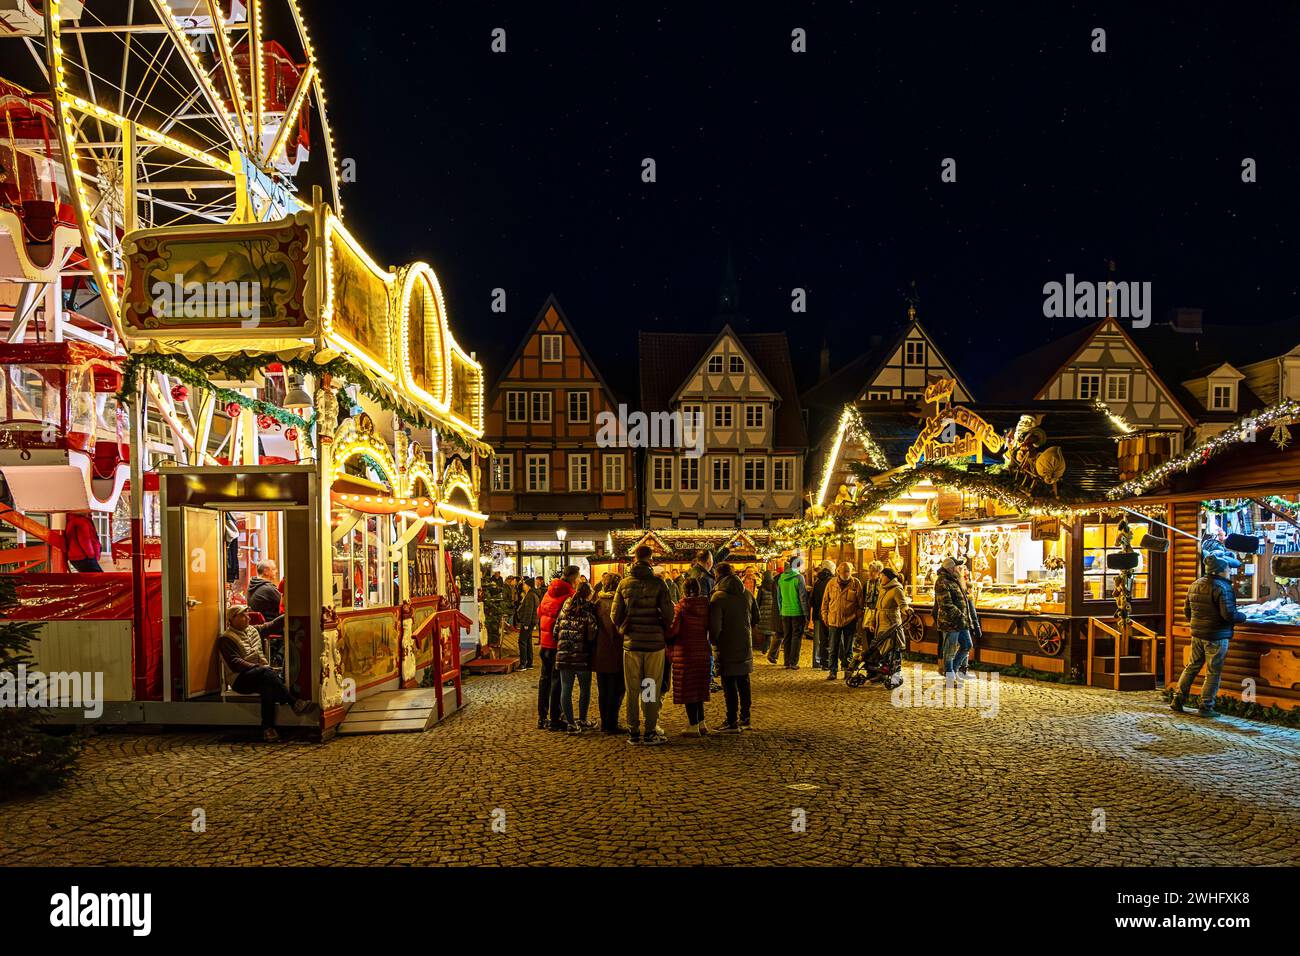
{"x":179,"y":112}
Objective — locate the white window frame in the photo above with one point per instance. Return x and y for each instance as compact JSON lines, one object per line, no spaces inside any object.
{"x":736,"y":365}
{"x":1092,"y":376}
{"x":730,"y":416}
{"x":542,"y":466}
{"x":755,"y":415}
{"x":783,"y":474}
{"x":585,"y":396}
{"x":661,"y":472}
{"x":721,"y":365}
{"x":552,"y":348}
{"x":1118,"y":377}
{"x":690,"y":469}
{"x":579,"y":466}
{"x":517,"y":415}
{"x":911,"y":359}
{"x":879,"y":395}
{"x":532,"y":407}
{"x":612,"y":473}
{"x":720,"y":465}
{"x":1230,"y":389}
{"x":503,"y":472}
{"x":755,"y":469}
{"x":913,"y":394}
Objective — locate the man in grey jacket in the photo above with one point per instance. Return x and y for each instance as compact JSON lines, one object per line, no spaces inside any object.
{"x":1211,"y":607}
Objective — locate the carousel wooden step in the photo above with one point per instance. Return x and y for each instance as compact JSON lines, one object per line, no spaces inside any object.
{"x":491,"y":665}
{"x":394,"y":711}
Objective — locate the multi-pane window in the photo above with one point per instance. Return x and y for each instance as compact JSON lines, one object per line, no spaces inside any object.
{"x":877,"y":396}
{"x":736,"y":365}
{"x":539,"y":472}
{"x":580,"y":407}
{"x":913,"y":352}
{"x":661,"y":473}
{"x":552,"y":348}
{"x":753,"y":416}
{"x":503,"y":473}
{"x":613,"y":465}
{"x":541,"y":406}
{"x":1117,"y":388}
{"x":783,"y":474}
{"x":715,"y":364}
{"x":1100,"y":540}
{"x":722,"y":474}
{"x":1222,"y":397}
{"x":579,"y":472}
{"x":516,"y":406}
{"x":722,"y":416}
{"x":1089,"y":386}
{"x":755,"y":474}
{"x":690,"y":474}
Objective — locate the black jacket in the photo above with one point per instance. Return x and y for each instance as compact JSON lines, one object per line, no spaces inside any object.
{"x":642,"y":610}
{"x":264,"y":597}
{"x":818,"y":590}
{"x":576,"y":630}
{"x":732,"y":618}
{"x":1211,"y":606}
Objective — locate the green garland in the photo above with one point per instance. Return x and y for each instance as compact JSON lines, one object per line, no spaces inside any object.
{"x":242,"y":367}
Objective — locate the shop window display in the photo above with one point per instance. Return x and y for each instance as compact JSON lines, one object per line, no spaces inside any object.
{"x":1009,"y":570}
{"x":1264,"y":594}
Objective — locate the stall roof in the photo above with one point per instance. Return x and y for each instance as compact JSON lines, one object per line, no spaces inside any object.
{"x":680,"y":544}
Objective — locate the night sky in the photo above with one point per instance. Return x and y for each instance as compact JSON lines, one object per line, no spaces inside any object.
{"x":819,"y":170}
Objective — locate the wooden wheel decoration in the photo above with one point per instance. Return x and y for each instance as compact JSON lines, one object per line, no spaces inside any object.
{"x":1049,"y":638}
{"x":913,"y":626}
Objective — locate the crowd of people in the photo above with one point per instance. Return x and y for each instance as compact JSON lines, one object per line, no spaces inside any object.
{"x":686,"y":635}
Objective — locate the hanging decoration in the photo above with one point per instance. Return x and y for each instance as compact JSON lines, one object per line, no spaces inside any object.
{"x":180,"y":393}
{"x":291,"y":433}
{"x":1281,"y":436}
{"x":233,"y":409}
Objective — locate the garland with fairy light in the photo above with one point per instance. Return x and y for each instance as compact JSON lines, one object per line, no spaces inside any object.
{"x":1245,"y":429}
{"x":243,"y":367}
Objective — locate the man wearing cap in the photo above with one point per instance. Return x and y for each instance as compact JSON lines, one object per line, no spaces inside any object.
{"x":952,"y":618}
{"x":240,"y":647}
{"x":1211,"y":607}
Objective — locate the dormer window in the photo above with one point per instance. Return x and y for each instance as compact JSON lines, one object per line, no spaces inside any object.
{"x":1223,"y":396}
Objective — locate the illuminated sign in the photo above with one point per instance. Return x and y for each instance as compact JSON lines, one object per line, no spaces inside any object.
{"x":940,"y":439}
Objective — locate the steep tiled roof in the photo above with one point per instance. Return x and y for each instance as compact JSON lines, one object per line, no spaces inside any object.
{"x":667,"y":358}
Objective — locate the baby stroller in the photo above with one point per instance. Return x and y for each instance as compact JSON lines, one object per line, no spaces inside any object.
{"x":880,"y":659}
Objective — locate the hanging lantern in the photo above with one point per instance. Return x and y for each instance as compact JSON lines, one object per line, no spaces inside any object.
{"x":232,"y":409}
{"x":180,"y":393}
{"x":291,"y":434}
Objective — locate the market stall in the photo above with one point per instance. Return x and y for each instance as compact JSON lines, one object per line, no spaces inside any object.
{"x":1242,"y":490}
{"x":748,"y":551}
{"x":1019,"y":493}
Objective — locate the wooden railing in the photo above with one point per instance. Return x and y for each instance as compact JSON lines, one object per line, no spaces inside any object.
{"x":1136,"y":630}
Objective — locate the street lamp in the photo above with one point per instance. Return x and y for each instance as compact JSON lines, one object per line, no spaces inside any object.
{"x":561,"y":534}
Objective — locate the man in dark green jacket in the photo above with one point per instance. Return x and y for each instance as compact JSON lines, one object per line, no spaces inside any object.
{"x":792,"y":597}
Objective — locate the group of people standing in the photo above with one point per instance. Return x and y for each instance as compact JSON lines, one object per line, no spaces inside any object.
{"x":640,"y":643}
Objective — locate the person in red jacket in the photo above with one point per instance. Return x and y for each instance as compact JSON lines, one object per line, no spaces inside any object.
{"x":548,"y":684}
{"x":688,"y":643}
{"x":82,"y":542}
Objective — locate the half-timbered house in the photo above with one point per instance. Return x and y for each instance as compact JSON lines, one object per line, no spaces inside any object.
{"x":553,"y":491}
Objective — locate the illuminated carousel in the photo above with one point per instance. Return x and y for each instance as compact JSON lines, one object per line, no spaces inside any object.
{"x":205,"y":361}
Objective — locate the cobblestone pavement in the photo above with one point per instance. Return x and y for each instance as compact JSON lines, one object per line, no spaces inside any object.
{"x":876,"y":784}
